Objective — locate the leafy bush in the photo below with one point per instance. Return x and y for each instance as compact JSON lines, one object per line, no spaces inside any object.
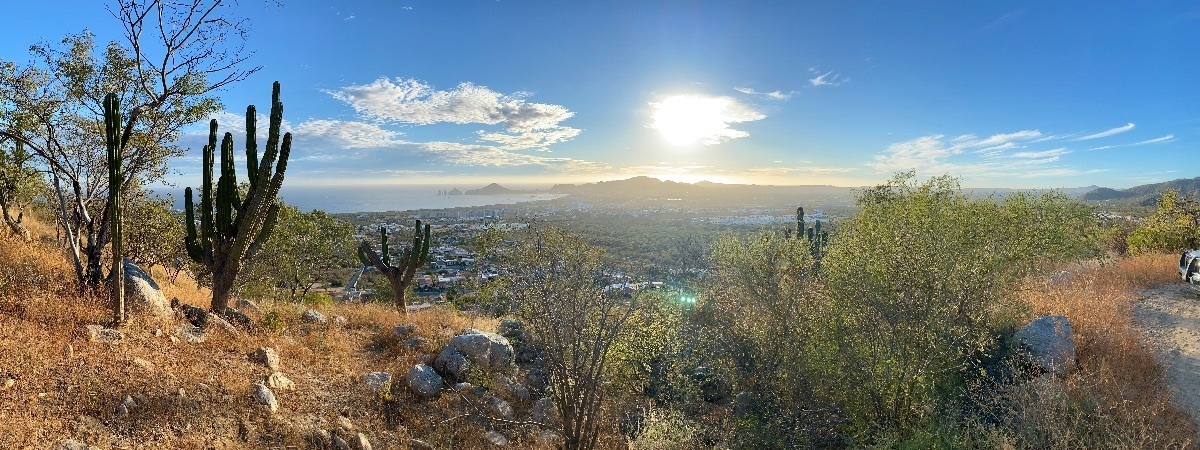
{"x":1174,"y":226}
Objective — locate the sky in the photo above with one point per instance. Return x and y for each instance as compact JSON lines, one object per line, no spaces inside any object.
{"x":1001,"y":94}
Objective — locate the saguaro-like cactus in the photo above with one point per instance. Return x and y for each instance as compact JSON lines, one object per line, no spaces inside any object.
{"x":232,"y":229}
{"x":112,"y":134}
{"x":400,"y":275}
{"x":817,"y":238}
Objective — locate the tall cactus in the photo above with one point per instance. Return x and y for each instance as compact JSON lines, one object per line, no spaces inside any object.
{"x":818,"y":239}
{"x":112,"y":134}
{"x":401,"y":275}
{"x":232,"y":229}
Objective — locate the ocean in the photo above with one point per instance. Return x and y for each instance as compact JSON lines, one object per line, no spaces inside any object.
{"x":348,"y":199}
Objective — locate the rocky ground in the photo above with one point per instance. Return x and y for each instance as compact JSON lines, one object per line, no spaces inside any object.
{"x":1170,"y":317}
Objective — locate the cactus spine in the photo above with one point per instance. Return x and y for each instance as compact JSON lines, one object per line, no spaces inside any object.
{"x":400,"y":276}
{"x":232,"y":229}
{"x":112,"y":134}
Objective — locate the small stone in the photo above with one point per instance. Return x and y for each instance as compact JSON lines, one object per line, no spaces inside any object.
{"x":158,"y":332}
{"x":463,"y":386}
{"x":496,"y":438}
{"x":363,"y":442}
{"x":71,"y":444}
{"x":544,"y":412}
{"x":313,"y":316}
{"x":173,"y":339}
{"x":340,"y":321}
{"x":404,"y":331}
{"x":68,"y":351}
{"x":278,"y":381}
{"x":128,"y":401}
{"x":340,"y":443}
{"x":417,"y":444}
{"x":99,"y":334}
{"x":378,"y":381}
{"x":550,"y":439}
{"x":266,"y":397}
{"x":424,"y":380}
{"x":143,"y":363}
{"x":414,"y":343}
{"x":267,"y":357}
{"x":217,"y":322}
{"x":190,"y":333}
{"x":122,"y":410}
{"x":345,"y":423}
{"x":9,"y":382}
{"x":247,"y":305}
{"x":501,"y":408}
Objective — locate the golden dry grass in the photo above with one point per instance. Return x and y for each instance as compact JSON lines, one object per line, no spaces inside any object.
{"x":200,"y":395}
{"x":1118,"y":397}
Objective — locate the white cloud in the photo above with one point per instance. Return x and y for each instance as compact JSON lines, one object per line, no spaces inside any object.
{"x":773,"y":95}
{"x":412,"y":101}
{"x":1042,"y":154}
{"x":695,"y":118}
{"x":344,"y":134}
{"x":540,"y":140}
{"x":528,"y":125}
{"x":1169,"y":137}
{"x":1106,"y":133}
{"x":797,"y":171}
{"x":936,"y":154}
{"x":481,"y":155}
{"x":826,"y":79}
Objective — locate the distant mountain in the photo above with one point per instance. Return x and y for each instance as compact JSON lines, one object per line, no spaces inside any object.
{"x":1145,"y":194}
{"x":496,"y":189}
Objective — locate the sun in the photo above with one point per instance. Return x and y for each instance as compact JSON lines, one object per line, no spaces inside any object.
{"x":689,"y":119}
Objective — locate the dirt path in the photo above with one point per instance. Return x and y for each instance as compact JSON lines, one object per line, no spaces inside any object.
{"x":1170,"y":316}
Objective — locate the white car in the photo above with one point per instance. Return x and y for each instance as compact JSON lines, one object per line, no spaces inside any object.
{"x":1189,"y":266}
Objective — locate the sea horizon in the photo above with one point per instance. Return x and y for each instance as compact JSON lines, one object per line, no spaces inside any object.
{"x":336,"y":199}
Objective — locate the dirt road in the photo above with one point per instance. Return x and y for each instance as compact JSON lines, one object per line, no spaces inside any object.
{"x":1170,"y":317}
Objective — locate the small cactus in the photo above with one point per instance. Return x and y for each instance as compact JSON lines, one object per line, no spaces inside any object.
{"x":400,"y":276}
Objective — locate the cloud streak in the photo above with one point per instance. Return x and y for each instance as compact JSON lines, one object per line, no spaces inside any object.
{"x":773,"y":95}
{"x":1106,"y":133}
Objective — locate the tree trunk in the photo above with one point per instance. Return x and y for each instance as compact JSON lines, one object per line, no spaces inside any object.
{"x":222,"y":290}
{"x":398,"y":288}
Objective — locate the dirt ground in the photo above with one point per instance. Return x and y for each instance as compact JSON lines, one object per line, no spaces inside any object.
{"x":1170,"y":317}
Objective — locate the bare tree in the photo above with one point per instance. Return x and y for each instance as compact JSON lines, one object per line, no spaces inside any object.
{"x":176,"y":53}
{"x":556,"y":283}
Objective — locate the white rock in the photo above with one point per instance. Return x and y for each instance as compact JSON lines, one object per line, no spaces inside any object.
{"x":313,"y":316}
{"x":142,"y":295}
{"x":190,"y":333}
{"x":99,"y":334}
{"x":424,"y":380}
{"x":266,"y":397}
{"x":496,"y":438}
{"x":278,"y":381}
{"x":267,"y":357}
{"x":363,"y":442}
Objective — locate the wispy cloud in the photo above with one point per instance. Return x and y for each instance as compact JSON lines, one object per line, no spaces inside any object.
{"x":969,"y":156}
{"x":1106,"y":133}
{"x":776,"y":172}
{"x":1169,"y":137}
{"x":697,"y":118}
{"x":829,"y":78}
{"x":1010,"y":16}
{"x":773,"y":95}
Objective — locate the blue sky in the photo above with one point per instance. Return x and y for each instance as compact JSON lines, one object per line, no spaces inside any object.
{"x":1002,"y":94}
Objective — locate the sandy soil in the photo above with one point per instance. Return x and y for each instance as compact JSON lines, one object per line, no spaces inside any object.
{"x":1170,"y":317}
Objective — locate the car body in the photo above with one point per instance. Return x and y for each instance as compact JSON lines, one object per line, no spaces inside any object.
{"x":1189,"y":266}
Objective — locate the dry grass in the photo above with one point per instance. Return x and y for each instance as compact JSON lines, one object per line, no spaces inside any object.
{"x":1118,"y":397}
{"x":200,"y":395}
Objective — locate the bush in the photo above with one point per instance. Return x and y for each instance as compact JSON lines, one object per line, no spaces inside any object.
{"x":1174,"y":226}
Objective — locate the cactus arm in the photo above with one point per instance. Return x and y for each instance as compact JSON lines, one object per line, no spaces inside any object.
{"x":265,"y":233}
{"x":276,"y":121}
{"x":194,"y":249}
{"x":362,"y":257}
{"x":251,"y":149}
{"x":386,"y":253}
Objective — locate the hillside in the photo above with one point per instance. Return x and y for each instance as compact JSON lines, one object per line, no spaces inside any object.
{"x":154,"y":389}
{"x":1144,"y":194}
